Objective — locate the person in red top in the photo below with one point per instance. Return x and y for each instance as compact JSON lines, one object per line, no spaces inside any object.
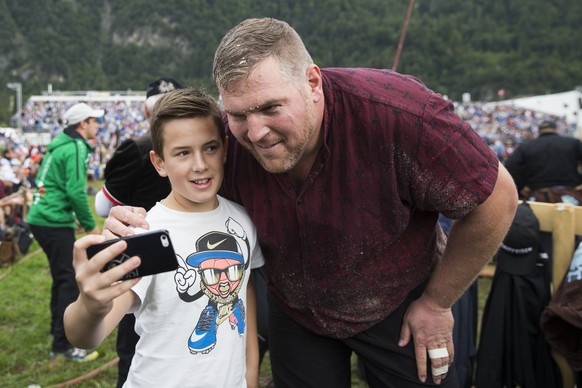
{"x":345,"y":172}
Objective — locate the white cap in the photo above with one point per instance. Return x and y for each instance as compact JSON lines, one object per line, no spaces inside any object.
{"x":80,"y":112}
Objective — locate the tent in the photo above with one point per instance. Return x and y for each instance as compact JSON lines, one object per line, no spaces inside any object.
{"x":567,"y":105}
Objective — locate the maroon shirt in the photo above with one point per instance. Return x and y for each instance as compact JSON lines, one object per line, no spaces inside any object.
{"x":344,"y":251}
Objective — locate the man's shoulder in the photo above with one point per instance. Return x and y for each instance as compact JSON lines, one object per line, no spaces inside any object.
{"x":376,"y":86}
{"x":357,"y":78}
{"x":64,"y":144}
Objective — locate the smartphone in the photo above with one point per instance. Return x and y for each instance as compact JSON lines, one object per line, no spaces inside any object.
{"x":154,"y":248}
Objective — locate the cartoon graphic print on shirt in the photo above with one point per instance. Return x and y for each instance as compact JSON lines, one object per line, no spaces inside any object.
{"x":221,"y":261}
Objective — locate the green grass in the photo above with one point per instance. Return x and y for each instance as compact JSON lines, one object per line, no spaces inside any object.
{"x":24,"y":326}
{"x":25,"y":322}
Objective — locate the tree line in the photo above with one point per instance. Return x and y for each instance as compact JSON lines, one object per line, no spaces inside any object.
{"x":524,"y":47}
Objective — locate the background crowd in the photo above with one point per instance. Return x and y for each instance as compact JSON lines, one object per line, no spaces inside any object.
{"x":502,"y":126}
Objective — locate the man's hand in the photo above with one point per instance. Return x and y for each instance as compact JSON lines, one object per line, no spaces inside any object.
{"x":431,"y":328}
{"x":120,"y":217}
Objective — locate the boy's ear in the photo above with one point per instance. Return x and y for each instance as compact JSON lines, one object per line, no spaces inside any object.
{"x":158,"y":163}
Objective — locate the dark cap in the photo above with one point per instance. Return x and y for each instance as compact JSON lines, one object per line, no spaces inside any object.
{"x":163,"y":85}
{"x":548,"y":126}
{"x":519,"y":250}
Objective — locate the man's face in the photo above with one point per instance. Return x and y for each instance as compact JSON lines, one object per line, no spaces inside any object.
{"x":92,"y":128}
{"x":272,"y":117}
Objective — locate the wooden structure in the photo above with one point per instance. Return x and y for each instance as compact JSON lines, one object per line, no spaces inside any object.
{"x":18,"y":202}
{"x":564,"y":222}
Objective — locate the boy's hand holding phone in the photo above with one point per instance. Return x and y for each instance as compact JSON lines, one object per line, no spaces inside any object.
{"x":98,"y":289}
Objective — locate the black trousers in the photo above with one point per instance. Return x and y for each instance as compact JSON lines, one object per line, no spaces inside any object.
{"x":260,"y":283}
{"x":57,"y":244}
{"x":301,"y":358}
{"x":126,"y":340}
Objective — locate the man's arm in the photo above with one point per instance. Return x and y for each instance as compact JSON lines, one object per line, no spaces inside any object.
{"x":102,"y":204}
{"x":102,"y":300}
{"x":472,"y":242}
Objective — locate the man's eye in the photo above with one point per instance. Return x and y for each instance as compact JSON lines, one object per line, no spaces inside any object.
{"x":271,"y":108}
{"x":237,"y":118}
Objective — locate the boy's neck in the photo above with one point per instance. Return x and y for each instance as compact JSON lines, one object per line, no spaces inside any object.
{"x":182,"y":205}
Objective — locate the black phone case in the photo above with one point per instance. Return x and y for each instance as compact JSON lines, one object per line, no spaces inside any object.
{"x":154,"y":249}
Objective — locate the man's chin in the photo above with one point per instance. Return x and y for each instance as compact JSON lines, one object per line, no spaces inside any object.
{"x":275,"y":166}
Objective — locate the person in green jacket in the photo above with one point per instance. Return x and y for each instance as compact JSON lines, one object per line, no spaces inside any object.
{"x":59,"y":201}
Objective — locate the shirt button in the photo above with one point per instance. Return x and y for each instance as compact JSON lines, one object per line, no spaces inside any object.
{"x":300,"y":201}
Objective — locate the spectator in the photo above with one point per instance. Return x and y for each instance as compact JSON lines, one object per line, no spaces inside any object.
{"x":59,"y":201}
{"x":546,"y":168}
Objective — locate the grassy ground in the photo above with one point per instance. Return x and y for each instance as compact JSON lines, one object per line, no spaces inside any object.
{"x":25,"y":340}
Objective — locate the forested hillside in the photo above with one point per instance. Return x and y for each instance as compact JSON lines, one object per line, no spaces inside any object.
{"x":454,"y":46}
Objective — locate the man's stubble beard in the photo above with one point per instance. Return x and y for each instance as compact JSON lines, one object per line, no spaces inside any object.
{"x":295,"y":154}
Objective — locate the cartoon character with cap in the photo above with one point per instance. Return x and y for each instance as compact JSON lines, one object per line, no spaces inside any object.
{"x":221,"y":264}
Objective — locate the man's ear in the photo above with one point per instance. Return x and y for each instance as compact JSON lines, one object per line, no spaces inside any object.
{"x":315,"y":82}
{"x":158,"y":163}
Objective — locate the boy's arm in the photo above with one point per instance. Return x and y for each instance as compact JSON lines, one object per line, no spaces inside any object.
{"x":102,"y":300}
{"x":252,"y":354}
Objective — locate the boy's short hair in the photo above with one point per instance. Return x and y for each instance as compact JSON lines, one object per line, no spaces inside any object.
{"x":181,"y":104}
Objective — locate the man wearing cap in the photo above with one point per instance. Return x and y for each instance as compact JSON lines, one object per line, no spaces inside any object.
{"x":546,"y":168}
{"x":58,"y":203}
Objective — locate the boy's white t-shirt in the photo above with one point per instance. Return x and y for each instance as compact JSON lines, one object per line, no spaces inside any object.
{"x":179,"y":346}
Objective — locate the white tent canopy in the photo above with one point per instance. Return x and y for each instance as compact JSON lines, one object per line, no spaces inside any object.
{"x":567,"y":105}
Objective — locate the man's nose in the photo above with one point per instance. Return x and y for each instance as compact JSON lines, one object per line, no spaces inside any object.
{"x":257,"y":129}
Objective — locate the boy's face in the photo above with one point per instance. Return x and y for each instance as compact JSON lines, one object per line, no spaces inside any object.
{"x":193,"y":160}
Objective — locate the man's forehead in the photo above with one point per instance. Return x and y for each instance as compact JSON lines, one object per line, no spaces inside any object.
{"x":245,"y":109}
{"x":263,"y":86}
{"x":248,"y":99}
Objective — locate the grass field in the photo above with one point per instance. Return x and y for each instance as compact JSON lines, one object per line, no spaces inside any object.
{"x":25,"y":340}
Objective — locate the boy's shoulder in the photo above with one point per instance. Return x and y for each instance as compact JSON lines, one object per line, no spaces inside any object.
{"x":229,"y":203}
